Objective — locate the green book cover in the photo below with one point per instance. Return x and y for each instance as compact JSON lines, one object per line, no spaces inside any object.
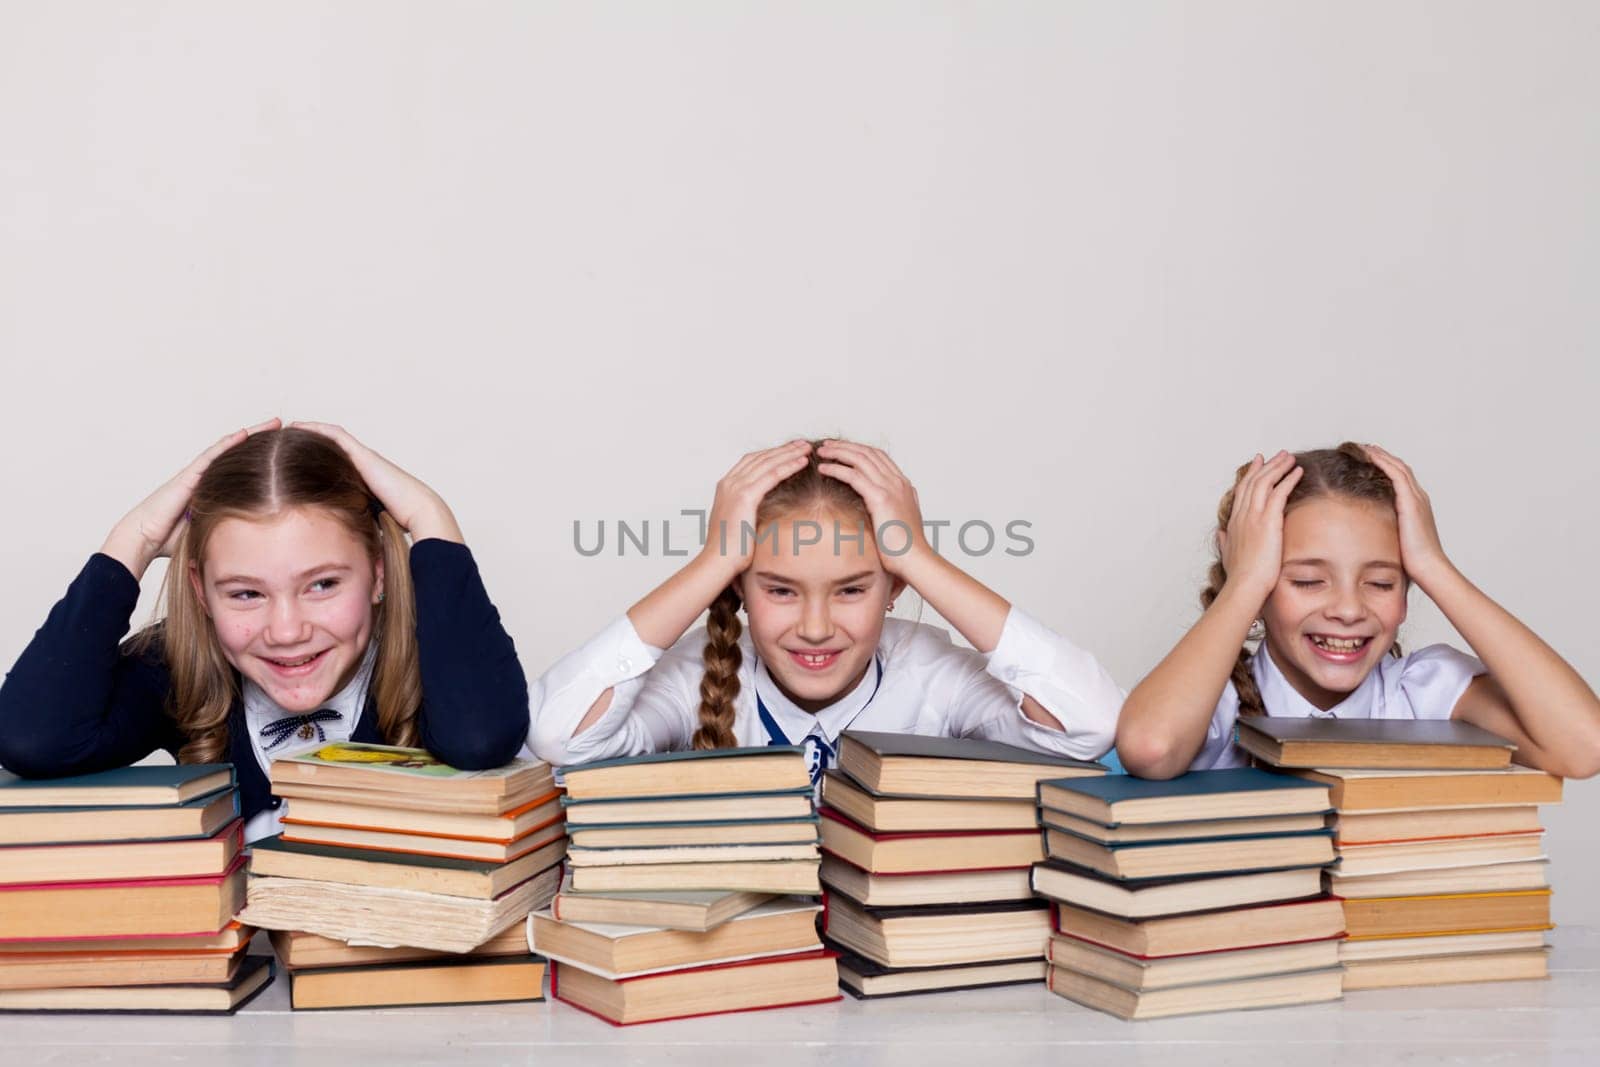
{"x":146,"y":786}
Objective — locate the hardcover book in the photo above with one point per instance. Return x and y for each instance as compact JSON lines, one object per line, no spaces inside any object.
{"x":946,"y":767}
{"x":143,"y":786}
{"x":202,"y":816}
{"x":462,"y":980}
{"x":689,"y":774}
{"x":1236,"y":793}
{"x":771,"y":982}
{"x":1416,"y":743}
{"x":220,"y":999}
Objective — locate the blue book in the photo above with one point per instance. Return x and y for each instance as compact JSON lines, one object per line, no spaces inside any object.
{"x":1236,"y":793}
{"x":201,"y":817}
{"x":124,"y":787}
{"x":706,"y":772}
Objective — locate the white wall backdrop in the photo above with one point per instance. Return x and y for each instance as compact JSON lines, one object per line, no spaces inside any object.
{"x":1069,"y":262}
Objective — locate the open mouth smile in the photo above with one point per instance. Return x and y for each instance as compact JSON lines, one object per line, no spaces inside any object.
{"x":1338,"y":649}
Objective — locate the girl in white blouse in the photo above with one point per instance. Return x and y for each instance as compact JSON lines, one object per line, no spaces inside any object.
{"x":793,"y":537}
{"x":1315,"y":555}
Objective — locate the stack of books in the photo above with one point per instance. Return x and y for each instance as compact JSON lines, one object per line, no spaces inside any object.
{"x":1441,"y":857}
{"x":679,"y":898}
{"x":386,"y":848}
{"x":1202,"y":893}
{"x":928,"y":842}
{"x":118,"y":892}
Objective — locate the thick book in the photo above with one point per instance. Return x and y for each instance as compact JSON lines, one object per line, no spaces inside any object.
{"x":144,"y":786}
{"x":456,"y":848}
{"x":1360,"y":790}
{"x":517,"y":824}
{"x":1236,"y":793}
{"x":948,"y":767}
{"x":1484,"y":878}
{"x":866,"y":980}
{"x":676,"y":910}
{"x":905,"y":890}
{"x":771,"y":982}
{"x":1414,"y":743}
{"x":1507,"y":966}
{"x":122,"y":860}
{"x":63,"y":970}
{"x":276,"y":857}
{"x":1395,"y":857}
{"x":1170,"y":859}
{"x":927,"y":850}
{"x":689,"y":774}
{"x":939,"y":936}
{"x":1133,"y":833}
{"x":1272,"y":991}
{"x":897,"y":814}
{"x":675,"y":854}
{"x":393,"y":917}
{"x":409,"y":777}
{"x":156,"y":906}
{"x":463,"y":980}
{"x":228,"y":940}
{"x":1394,"y":948}
{"x":202,"y":816}
{"x":298,"y":950}
{"x":1359,"y":828}
{"x":778,"y":927}
{"x":1142,"y":973}
{"x":763,"y":876}
{"x":689,"y":834}
{"x":220,"y":999}
{"x":1223,"y":930}
{"x":1449,"y":913}
{"x":1150,"y":897}
{"x":752,"y":807}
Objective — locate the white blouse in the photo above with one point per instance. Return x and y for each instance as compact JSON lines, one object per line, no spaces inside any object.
{"x":928,"y":685}
{"x":260,"y":710}
{"x":1422,"y":685}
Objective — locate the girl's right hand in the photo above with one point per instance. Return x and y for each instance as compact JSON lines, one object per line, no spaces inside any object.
{"x":730,"y":545}
{"x":151,"y":530}
{"x":1252,"y":545}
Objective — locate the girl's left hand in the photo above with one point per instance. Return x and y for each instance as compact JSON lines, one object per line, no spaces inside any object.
{"x":1421,"y":553}
{"x":418,"y":509}
{"x":889,"y":495}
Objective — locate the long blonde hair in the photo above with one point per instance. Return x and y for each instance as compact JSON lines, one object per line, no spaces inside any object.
{"x":1340,"y":472}
{"x":263,"y":475}
{"x":809,"y":491}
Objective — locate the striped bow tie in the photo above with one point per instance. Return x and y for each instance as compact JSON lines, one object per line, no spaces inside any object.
{"x":302,"y":726}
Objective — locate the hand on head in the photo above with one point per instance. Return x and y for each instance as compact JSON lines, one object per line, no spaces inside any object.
{"x":1251,"y":546}
{"x":417,"y":508}
{"x":730,"y":527}
{"x":1421,"y":552}
{"x":890,"y":497}
{"x":151,"y":530}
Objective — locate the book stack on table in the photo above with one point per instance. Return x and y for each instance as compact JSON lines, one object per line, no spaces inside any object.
{"x":1201,"y":893}
{"x":386,"y":852}
{"x":118,"y":892}
{"x":680,"y":892}
{"x":1441,"y":857}
{"x":928,"y":842}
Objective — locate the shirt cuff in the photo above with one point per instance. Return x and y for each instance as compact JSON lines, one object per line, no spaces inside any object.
{"x":618,"y":653}
{"x":1024,"y":643}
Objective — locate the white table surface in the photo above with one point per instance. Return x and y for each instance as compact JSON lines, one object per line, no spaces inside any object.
{"x":1555,"y":1021}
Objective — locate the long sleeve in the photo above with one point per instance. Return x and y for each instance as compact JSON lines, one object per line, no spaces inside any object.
{"x":1065,"y":680}
{"x":76,"y":701}
{"x":474,"y":711}
{"x":654,"y":695}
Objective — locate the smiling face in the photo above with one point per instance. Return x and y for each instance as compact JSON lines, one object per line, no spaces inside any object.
{"x":290,"y":598}
{"x":815,"y":614}
{"x":1340,"y":598}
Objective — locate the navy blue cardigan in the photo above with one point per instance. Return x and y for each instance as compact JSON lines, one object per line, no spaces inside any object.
{"x":77,"y":701}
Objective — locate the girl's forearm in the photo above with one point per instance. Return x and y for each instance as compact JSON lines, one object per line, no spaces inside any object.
{"x":1164,"y":720}
{"x":668,"y":610}
{"x":1550,"y":700}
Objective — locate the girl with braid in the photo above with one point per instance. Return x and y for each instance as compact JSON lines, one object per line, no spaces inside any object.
{"x":1316,"y":553}
{"x":316,"y":592}
{"x":792,"y":539}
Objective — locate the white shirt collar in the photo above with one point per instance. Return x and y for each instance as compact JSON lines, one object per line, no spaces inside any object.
{"x":349,"y":702}
{"x":1284,"y":699}
{"x":796,"y":723}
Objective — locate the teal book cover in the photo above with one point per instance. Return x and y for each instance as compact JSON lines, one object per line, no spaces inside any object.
{"x":132,"y":787}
